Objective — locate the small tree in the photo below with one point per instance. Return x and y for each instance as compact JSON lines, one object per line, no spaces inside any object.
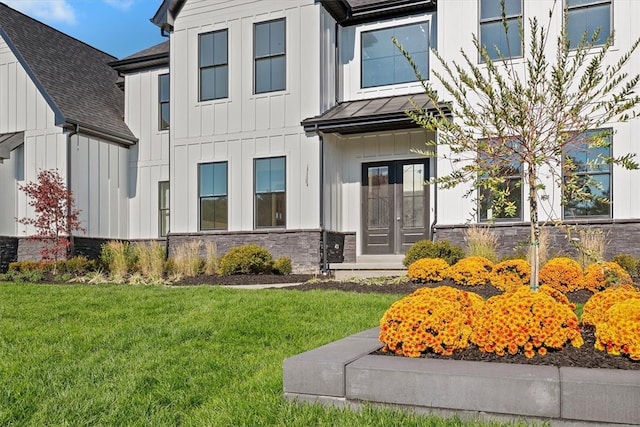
{"x":530,"y":114}
{"x":56,"y":218}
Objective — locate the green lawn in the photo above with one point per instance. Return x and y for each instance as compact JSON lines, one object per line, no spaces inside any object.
{"x":200,"y":356}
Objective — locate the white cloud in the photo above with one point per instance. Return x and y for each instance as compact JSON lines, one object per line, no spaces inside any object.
{"x":48,"y":11}
{"x":120,"y":4}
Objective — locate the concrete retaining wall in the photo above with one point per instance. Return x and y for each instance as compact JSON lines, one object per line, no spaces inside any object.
{"x":344,"y":373}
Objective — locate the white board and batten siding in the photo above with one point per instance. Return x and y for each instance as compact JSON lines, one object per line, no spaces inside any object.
{"x":148,"y":161}
{"x":245,"y":126}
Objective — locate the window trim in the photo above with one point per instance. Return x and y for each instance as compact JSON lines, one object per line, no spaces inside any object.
{"x":162,"y":102}
{"x":594,"y":3}
{"x":162,"y":210}
{"x":255,"y":194}
{"x":496,"y":20}
{"x":608,"y":172}
{"x":214,"y":66}
{"x":201,"y":198}
{"x":256,"y":59}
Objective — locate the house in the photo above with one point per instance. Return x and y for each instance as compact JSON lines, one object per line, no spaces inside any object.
{"x":278,"y":122}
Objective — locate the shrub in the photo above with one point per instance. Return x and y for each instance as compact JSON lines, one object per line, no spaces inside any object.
{"x":527,"y":321}
{"x":150,"y":259}
{"x":471,"y":271}
{"x":510,"y":274}
{"x":186,"y":260}
{"x":604,"y":274}
{"x":596,"y":307}
{"x":246,"y":259}
{"x":563,"y":274}
{"x":619,"y":331}
{"x":481,"y":241}
{"x":427,"y":270}
{"x":428,"y":249}
{"x":591,"y":247}
{"x":211,"y":261}
{"x":77,"y":266}
{"x":437,"y":320}
{"x":630,"y":263}
{"x":118,"y":258}
{"x":28,"y":265}
{"x":33,"y":275}
{"x":282,"y":266}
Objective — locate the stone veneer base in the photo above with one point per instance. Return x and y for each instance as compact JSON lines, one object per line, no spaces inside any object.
{"x":344,"y":373}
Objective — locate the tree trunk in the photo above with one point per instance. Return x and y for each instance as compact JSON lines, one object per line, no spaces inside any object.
{"x":534,"y":227}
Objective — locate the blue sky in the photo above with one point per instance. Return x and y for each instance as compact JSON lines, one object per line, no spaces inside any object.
{"x":118,"y":27}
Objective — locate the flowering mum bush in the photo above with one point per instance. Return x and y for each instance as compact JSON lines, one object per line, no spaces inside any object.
{"x":595,"y":309}
{"x":525,"y":320}
{"x":619,"y":331}
{"x":604,"y":274}
{"x":563,"y":274}
{"x":471,"y":271}
{"x":437,"y":319}
{"x":427,"y":270}
{"x":510,"y":274}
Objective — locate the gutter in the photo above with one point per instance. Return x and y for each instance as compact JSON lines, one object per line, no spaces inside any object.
{"x":93,"y":131}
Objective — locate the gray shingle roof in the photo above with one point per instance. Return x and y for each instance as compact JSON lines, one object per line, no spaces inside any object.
{"x":74,"y":77}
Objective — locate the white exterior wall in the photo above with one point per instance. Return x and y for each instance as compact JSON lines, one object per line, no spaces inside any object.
{"x":245,"y":126}
{"x":455,"y":15}
{"x":149,"y":158}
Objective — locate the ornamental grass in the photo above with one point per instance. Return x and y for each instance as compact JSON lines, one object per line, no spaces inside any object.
{"x":427,"y":270}
{"x":619,"y":331}
{"x":563,"y":274}
{"x":510,"y":274}
{"x":525,"y":321}
{"x":602,"y":275}
{"x":471,"y":271}
{"x":430,"y":319}
{"x":595,"y":309}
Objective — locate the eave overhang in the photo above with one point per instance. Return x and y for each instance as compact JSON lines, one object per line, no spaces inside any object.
{"x":9,"y":142}
{"x":152,"y":61}
{"x":347,"y":14}
{"x":167,"y":13}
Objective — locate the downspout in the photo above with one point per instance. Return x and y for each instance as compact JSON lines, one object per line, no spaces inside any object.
{"x":435,"y":196}
{"x":166,"y":239}
{"x":325,"y":261}
{"x":75,"y":131}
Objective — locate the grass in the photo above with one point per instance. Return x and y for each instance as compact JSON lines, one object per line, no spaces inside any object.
{"x":125,"y":355}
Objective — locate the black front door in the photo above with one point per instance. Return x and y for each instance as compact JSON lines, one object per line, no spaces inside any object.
{"x":395,"y":202}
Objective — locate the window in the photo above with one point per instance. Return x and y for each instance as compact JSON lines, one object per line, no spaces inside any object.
{"x":214,"y":65}
{"x":270,"y":197}
{"x":384,"y":64}
{"x":163,"y":100}
{"x":588,"y":194}
{"x":163,"y":208}
{"x":511,"y":172}
{"x":492,"y":34}
{"x":586,"y":16}
{"x":213,"y":196}
{"x":269,"y":56}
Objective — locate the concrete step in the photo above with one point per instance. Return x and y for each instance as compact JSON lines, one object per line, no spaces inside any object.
{"x":369,"y":266}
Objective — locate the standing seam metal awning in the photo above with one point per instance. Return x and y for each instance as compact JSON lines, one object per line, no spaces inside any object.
{"x":369,"y":115}
{"x":9,"y":142}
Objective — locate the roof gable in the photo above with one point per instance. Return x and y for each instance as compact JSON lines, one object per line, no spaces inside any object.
{"x":74,"y":78}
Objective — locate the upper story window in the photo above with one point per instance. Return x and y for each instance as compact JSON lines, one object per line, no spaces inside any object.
{"x":163,"y":101}
{"x":590,"y":194}
{"x":384,"y":64}
{"x":270,"y":67}
{"x":214,"y":65}
{"x":213,"y":196}
{"x":270,"y":192}
{"x":587,"y":16}
{"x":510,"y":188}
{"x":492,"y":33}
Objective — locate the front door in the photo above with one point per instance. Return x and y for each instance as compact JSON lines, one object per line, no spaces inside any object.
{"x":395,"y":200}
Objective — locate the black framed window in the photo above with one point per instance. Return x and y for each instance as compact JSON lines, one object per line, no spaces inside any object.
{"x":511,"y":173}
{"x":270,"y":192}
{"x":214,"y":65}
{"x":586,"y":16}
{"x":270,"y":67}
{"x":163,"y":101}
{"x":492,"y":34}
{"x":163,"y":208}
{"x":586,"y":157}
{"x":384,"y":64}
{"x":213,"y":196}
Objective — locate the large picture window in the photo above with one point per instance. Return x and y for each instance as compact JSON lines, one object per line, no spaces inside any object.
{"x":269,"y":40}
{"x":384,"y":64}
{"x":214,"y":65}
{"x":163,"y":208}
{"x":590,"y":194}
{"x":213,"y":196}
{"x":510,"y":187}
{"x":270,"y":192}
{"x":492,"y":34}
{"x":586,"y":16}
{"x":163,"y":101}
